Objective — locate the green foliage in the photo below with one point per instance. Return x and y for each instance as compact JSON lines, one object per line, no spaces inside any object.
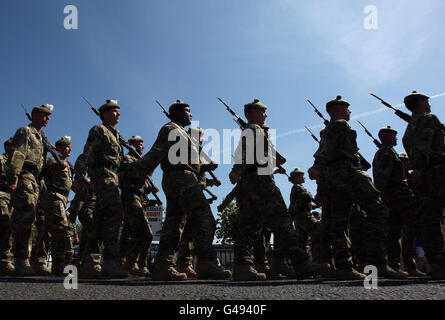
{"x":227,"y":223}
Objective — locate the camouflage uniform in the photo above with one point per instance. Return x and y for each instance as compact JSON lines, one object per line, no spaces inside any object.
{"x":5,"y":218}
{"x":104,"y":155}
{"x":390,"y":179}
{"x":22,"y":169}
{"x":53,"y":202}
{"x":424,"y":143}
{"x":184,"y":197}
{"x":338,"y":161}
{"x":139,"y":233}
{"x":261,"y":205}
{"x":305,"y":223}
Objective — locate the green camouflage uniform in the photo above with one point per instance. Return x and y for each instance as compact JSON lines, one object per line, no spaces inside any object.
{"x":104,"y":155}
{"x":5,"y":214}
{"x":261,"y":205}
{"x":136,"y":234}
{"x":389,"y":178}
{"x":305,"y":223}
{"x":53,"y":202}
{"x":23,"y":168}
{"x":184,"y":197}
{"x":424,"y":143}
{"x":339,"y":164}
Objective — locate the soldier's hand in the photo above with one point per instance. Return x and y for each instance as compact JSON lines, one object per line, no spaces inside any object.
{"x":318,"y":198}
{"x":234,"y":177}
{"x":313,"y":173}
{"x":12,"y":187}
{"x":219,"y":208}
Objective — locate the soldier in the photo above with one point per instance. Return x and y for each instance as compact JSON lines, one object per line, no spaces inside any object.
{"x":390,"y":179}
{"x":58,"y":181}
{"x":6,"y":266}
{"x":300,"y":210}
{"x":136,"y":234}
{"x":424,"y":142}
{"x":184,"y":195}
{"x":338,"y":163}
{"x":22,"y":171}
{"x":104,"y":155}
{"x":261,"y":202}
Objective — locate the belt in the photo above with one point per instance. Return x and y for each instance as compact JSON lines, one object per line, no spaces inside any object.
{"x":436,"y":162}
{"x":61,"y":191}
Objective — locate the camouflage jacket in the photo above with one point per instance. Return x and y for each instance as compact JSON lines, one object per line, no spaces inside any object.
{"x":172,"y":137}
{"x":388,"y":170}
{"x":27,"y":153}
{"x":126,"y":178}
{"x":247,"y":158}
{"x":57,"y":179}
{"x":102,"y":149}
{"x":300,"y":200}
{"x":424,"y":141}
{"x":338,"y":142}
{"x":3,"y":180}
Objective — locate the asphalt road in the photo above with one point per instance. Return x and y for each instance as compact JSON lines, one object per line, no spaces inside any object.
{"x":43,"y":288}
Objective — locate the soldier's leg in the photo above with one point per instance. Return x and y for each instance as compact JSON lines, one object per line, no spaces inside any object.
{"x":89,"y":250}
{"x":184,"y":255}
{"x":125,"y":242}
{"x":58,"y":228}
{"x":24,"y":200}
{"x":6,"y":267}
{"x":394,"y":235}
{"x":40,"y":251}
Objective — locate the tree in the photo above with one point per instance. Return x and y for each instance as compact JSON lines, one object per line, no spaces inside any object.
{"x":226,"y":225}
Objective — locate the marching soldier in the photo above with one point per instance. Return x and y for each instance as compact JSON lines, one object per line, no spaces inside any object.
{"x":424,"y":142}
{"x":6,"y":266}
{"x":338,"y":163}
{"x":181,"y":166}
{"x":390,"y":179}
{"x":261,"y":202}
{"x":136,"y":234}
{"x":22,"y":171}
{"x":53,"y":201}
{"x":300,"y":210}
{"x":104,"y":155}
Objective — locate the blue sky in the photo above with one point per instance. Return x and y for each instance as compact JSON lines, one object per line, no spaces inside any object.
{"x":279,"y":51}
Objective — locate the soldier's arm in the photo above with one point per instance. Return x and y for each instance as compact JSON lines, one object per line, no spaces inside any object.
{"x":90,"y":149}
{"x":14,"y":165}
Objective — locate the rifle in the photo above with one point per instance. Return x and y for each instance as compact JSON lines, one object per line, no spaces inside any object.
{"x":49,"y":147}
{"x":399,"y":113}
{"x":243,"y":124}
{"x":213,"y":196}
{"x":123,"y":142}
{"x":376,"y":142}
{"x":205,"y":155}
{"x":313,"y":136}
{"x":366,"y":165}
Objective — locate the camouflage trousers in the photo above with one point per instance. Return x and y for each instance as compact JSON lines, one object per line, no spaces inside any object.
{"x":24,"y":200}
{"x":185,"y":197}
{"x":306,"y":225}
{"x":262,"y":251}
{"x":431,"y":196}
{"x":136,"y":234}
{"x":403,"y":218}
{"x":348,"y":184}
{"x":53,"y":204}
{"x":89,"y":247}
{"x":356,"y":232}
{"x":184,"y":254}
{"x":5,"y":227}
{"x":40,"y":250}
{"x":262,"y":205}
{"x":108,"y":214}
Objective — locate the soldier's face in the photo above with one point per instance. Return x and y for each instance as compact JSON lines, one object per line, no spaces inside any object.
{"x":139,"y":147}
{"x":64,"y":150}
{"x":423,"y":105}
{"x":299,"y":178}
{"x":40,"y":119}
{"x":389,"y":139}
{"x":112,"y":116}
{"x":8,"y":148}
{"x":258,"y":116}
{"x":184,"y":116}
{"x":343,"y":113}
